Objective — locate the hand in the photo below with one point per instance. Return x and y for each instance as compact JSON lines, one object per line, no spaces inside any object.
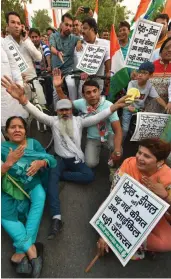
{"x":84,"y":76}
{"x":14,"y":156}
{"x":80,"y":10}
{"x":168,"y":108}
{"x":49,"y":69}
{"x":102,"y":246}
{"x":156,"y":188}
{"x":35,"y":166}
{"x":14,"y":89}
{"x":90,"y":13}
{"x":57,"y":77}
{"x":119,"y":104}
{"x":60,"y":55}
{"x":131,"y":108}
{"x":79,"y":46}
{"x":26,"y":33}
{"x":115,"y":157}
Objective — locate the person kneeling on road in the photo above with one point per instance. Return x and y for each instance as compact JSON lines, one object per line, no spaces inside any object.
{"x":67,"y":133}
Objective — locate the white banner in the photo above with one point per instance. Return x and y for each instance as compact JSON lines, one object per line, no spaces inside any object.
{"x":149,"y":125}
{"x":91,"y":59}
{"x":143,"y":43}
{"x":21,"y":63}
{"x":61,"y":4}
{"x":127,"y":217}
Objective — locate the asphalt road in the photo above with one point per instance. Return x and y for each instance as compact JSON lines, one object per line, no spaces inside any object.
{"x":73,"y":249}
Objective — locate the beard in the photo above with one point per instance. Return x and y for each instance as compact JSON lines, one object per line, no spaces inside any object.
{"x":66,"y":127}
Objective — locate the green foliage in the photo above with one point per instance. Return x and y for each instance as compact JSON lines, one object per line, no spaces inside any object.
{"x":41,"y":20}
{"x":11,"y":6}
{"x":106,"y":12}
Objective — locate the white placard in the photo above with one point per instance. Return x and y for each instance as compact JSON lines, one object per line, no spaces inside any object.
{"x":61,"y":4}
{"x":127,"y":217}
{"x":143,"y":43}
{"x":91,"y":59}
{"x":149,"y":125}
{"x":21,"y":63}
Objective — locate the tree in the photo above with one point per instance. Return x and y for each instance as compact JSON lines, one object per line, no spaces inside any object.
{"x":9,"y":6}
{"x":106,"y":12}
{"x":41,"y":20}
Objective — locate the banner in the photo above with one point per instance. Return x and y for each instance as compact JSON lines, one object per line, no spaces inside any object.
{"x":127,"y":217}
{"x":61,"y":4}
{"x":149,"y":125}
{"x":20,"y":61}
{"x":91,"y":59}
{"x":143,"y":43}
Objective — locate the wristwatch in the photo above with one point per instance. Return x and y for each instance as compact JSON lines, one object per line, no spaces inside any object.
{"x":117,"y":153}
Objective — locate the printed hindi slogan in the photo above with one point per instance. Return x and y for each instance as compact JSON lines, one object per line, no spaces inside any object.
{"x":63,"y":4}
{"x":20,"y":61}
{"x":91,"y":59}
{"x":143,"y":43}
{"x":127,"y":216}
{"x":149,"y":125}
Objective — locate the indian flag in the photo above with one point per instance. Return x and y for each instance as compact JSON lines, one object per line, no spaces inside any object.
{"x":167,"y":8}
{"x":95,"y":15}
{"x":119,"y":74}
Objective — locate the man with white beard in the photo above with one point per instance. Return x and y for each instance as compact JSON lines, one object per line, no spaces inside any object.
{"x":67,"y":133}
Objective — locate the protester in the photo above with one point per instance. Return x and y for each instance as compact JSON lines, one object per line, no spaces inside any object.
{"x":62,"y":47}
{"x":105,"y":35}
{"x":50,"y":31}
{"x":149,"y":168}
{"x":22,"y":205}
{"x":67,"y":133}
{"x":24,"y":45}
{"x":169,"y":30}
{"x":124,"y":40}
{"x":163,"y":19}
{"x":77,"y":27}
{"x":9,"y":106}
{"x":146,"y":89}
{"x":161,"y":79}
{"x":106,"y":133}
{"x":89,"y":32}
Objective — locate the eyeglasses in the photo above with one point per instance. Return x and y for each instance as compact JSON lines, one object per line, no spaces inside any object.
{"x":143,"y":72}
{"x":67,"y":24}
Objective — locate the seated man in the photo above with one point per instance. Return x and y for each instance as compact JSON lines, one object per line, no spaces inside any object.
{"x":106,"y":132}
{"x":67,"y":133}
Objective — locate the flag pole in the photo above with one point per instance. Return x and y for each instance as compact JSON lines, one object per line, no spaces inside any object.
{"x":114,"y":19}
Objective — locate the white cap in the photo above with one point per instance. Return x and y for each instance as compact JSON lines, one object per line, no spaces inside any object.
{"x":64,"y":104}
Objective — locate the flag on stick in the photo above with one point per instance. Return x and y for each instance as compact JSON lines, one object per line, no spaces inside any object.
{"x":120,"y":77}
{"x":54,"y":19}
{"x":95,"y":15}
{"x":167,"y":8}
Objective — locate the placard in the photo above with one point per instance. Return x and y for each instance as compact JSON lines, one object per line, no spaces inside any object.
{"x":91,"y":59}
{"x":61,"y":4}
{"x":127,"y":217}
{"x":149,"y":125}
{"x":21,"y":63}
{"x":143,"y":43}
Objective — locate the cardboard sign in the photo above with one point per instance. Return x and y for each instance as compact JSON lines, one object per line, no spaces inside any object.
{"x":149,"y":125}
{"x":21,"y":63}
{"x":91,"y":59}
{"x":61,"y":4}
{"x":127,"y":217}
{"x":143,"y":43}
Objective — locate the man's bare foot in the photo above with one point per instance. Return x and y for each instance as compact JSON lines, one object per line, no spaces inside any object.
{"x":17,"y":258}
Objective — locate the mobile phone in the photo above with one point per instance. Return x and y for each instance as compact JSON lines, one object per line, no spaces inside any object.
{"x":86,"y":10}
{"x":23,"y":33}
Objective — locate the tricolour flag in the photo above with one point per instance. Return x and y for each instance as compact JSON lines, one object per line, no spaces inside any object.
{"x":28,"y":21}
{"x":95,"y":15}
{"x":167,"y":8}
{"x":54,"y":18}
{"x":154,"y":6}
{"x":119,"y":74}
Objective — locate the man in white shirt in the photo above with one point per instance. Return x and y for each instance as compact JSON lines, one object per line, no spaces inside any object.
{"x":9,"y":106}
{"x":27,"y":50}
{"x":89,"y":32}
{"x":67,"y":133}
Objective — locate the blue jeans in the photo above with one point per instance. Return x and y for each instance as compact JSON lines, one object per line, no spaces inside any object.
{"x":66,"y":170}
{"x":24,"y":236}
{"x":126,"y":119}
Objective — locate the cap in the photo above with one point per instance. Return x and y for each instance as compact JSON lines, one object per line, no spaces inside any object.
{"x":64,"y":104}
{"x":147,"y":66}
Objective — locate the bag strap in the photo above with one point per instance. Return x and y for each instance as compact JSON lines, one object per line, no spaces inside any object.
{"x":18,"y":186}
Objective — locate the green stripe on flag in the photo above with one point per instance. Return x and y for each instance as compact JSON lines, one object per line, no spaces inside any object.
{"x":117,"y":82}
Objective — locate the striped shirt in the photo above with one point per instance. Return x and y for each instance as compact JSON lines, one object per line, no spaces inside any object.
{"x":45,"y":51}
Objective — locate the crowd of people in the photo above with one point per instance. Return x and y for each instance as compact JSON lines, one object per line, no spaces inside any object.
{"x":29,"y":173}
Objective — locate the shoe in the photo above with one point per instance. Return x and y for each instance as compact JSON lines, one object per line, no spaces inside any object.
{"x":24,"y":267}
{"x":37,"y":263}
{"x":55,"y":227}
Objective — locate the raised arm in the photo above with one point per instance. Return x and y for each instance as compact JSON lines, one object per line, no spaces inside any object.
{"x":17,"y":92}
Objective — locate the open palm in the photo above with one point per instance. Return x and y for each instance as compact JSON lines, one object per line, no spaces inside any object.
{"x":57,"y":77}
{"x":14,"y":89}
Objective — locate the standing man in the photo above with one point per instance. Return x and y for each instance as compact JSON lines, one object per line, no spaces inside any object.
{"x":89,"y":32}
{"x":24,"y":45}
{"x":62,"y":47}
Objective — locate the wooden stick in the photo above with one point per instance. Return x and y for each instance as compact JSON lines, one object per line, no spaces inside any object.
{"x":92,"y":263}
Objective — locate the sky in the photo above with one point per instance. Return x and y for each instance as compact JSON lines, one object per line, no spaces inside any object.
{"x":46,"y":4}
